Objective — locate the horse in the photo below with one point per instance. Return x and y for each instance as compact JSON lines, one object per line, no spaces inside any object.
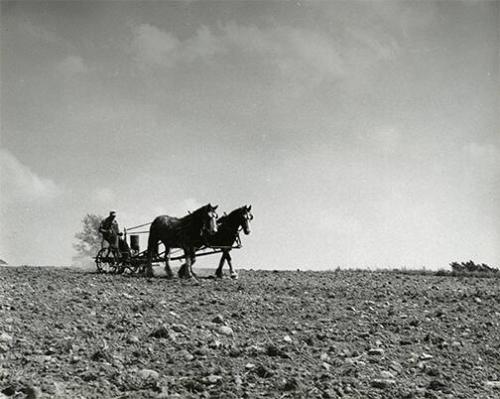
{"x":188,"y":233}
{"x":228,"y":227}
{"x":227,"y":234}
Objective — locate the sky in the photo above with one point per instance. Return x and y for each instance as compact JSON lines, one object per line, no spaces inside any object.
{"x":363,"y":134}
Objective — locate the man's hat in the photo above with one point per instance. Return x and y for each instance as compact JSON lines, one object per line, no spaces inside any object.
{"x":112,"y":213}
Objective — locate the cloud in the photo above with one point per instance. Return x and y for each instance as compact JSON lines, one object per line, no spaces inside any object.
{"x":380,"y":47}
{"x":20,"y":184}
{"x":203,"y":45}
{"x":154,"y":47}
{"x":40,"y":33}
{"x":387,"y":139}
{"x":297,"y":54}
{"x":103,"y":195}
{"x":483,"y":152}
{"x":483,"y":157}
{"x":71,"y":66}
{"x":190,"y":204}
{"x":294,"y":52}
{"x":179,"y":210}
{"x":417,"y":16}
{"x":382,"y":139}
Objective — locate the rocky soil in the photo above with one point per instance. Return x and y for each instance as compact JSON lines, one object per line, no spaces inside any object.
{"x":346,"y":334}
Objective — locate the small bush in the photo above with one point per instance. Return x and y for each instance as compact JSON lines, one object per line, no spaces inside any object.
{"x":471,"y":267}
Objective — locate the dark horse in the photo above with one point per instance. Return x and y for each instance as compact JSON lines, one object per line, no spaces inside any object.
{"x":227,"y":234}
{"x":188,"y":233}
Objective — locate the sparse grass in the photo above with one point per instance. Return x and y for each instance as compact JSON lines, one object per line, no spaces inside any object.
{"x":441,"y":272}
{"x":407,"y":271}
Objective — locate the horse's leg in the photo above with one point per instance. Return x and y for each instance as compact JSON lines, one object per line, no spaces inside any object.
{"x":189,"y":255}
{"x":168,"y":270}
{"x":193,"y":260}
{"x":232,"y":273}
{"x":149,"y":266}
{"x":152,"y":249}
{"x":182,"y":271}
{"x":218,"y":272}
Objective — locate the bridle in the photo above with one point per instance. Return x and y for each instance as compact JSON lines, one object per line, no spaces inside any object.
{"x":247,"y":217}
{"x":205,"y":229}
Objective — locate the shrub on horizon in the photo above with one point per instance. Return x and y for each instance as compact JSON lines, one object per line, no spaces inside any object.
{"x":471,"y":267}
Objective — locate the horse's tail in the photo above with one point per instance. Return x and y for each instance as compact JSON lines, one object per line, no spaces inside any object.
{"x":152,"y":244}
{"x":152,"y":250}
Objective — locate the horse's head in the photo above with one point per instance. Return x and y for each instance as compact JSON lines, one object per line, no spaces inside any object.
{"x":209,"y":219}
{"x":246,"y":216}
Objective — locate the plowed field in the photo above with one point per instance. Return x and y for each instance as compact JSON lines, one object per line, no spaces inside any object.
{"x":346,"y":334}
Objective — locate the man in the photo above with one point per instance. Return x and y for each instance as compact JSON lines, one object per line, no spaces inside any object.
{"x":111,"y":233}
{"x":109,"y":230}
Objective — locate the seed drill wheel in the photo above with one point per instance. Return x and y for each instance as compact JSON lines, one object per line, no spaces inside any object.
{"x":129,"y":261}
{"x":106,"y":261}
